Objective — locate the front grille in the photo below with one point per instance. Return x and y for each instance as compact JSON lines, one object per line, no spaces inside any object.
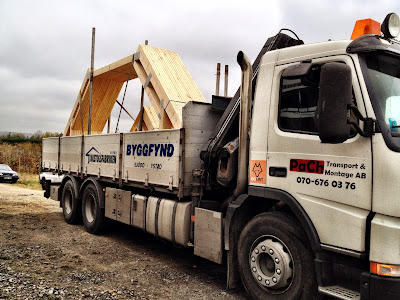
{"x":7,"y":174}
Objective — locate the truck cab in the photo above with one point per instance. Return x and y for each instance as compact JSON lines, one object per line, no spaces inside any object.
{"x":323,"y":146}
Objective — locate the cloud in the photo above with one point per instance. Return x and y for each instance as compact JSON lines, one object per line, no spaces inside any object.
{"x":45,"y":48}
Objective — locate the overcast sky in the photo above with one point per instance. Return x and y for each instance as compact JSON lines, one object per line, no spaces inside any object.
{"x":45,"y":45}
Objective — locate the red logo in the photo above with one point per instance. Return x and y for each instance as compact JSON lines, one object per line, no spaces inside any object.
{"x":307,"y":166}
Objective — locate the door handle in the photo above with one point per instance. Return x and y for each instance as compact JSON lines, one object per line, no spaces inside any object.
{"x":277,"y":172}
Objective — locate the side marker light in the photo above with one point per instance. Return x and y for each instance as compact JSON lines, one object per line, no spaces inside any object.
{"x":385,"y":270}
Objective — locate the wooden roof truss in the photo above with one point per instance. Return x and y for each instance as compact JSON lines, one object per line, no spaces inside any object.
{"x":164,"y":77}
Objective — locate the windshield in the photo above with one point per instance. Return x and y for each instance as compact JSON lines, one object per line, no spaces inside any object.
{"x":5,"y":168}
{"x":384,"y":73}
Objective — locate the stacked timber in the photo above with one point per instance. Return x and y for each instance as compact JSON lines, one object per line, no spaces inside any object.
{"x":167,"y":83}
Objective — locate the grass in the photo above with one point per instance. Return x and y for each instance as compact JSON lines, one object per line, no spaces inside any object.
{"x":29,"y":180}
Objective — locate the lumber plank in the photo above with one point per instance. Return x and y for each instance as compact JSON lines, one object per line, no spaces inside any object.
{"x":105,"y":92}
{"x":117,"y":71}
{"x":76,"y":108}
{"x":151,"y":93}
{"x":150,"y":117}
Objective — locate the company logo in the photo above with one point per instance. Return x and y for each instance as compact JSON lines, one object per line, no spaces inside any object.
{"x":166,"y":150}
{"x":258,"y":172}
{"x":307,"y":166}
{"x":95,"y":157}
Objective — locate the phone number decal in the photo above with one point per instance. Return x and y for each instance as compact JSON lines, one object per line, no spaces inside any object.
{"x":324,"y":182}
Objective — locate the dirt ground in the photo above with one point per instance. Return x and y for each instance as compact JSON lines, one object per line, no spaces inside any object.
{"x":41,"y":256}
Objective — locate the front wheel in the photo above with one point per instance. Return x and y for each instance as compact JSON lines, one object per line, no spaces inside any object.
{"x":92,"y":213}
{"x":43,"y":183}
{"x":274,"y":262}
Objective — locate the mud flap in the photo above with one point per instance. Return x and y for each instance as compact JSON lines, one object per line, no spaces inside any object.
{"x":54,"y":192}
{"x":208,"y":234}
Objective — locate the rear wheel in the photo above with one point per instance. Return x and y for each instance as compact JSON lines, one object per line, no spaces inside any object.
{"x":92,"y":213}
{"x":274,"y":262}
{"x":70,"y":204}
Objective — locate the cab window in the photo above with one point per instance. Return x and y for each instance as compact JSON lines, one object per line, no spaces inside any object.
{"x":298,"y":106}
{"x":298,"y":103}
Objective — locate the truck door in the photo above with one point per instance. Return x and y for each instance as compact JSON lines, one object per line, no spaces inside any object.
{"x":332,"y":182}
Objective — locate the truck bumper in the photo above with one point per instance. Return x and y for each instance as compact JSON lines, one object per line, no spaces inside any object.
{"x":379,"y":287}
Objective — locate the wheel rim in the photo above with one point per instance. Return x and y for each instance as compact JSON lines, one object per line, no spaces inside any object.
{"x":271,"y":264}
{"x":90,"y":208}
{"x":68,"y":202}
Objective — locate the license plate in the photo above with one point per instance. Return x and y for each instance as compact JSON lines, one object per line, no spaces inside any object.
{"x":7,"y":178}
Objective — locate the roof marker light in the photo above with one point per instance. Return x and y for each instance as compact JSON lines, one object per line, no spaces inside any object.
{"x":391,"y":26}
{"x":366,"y":26}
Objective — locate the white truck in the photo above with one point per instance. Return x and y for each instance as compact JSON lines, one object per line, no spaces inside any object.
{"x":293,"y":183}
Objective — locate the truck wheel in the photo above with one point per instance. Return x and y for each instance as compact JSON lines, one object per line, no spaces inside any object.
{"x":274,"y":262}
{"x":92,"y":213}
{"x":43,"y":183}
{"x":69,"y":203}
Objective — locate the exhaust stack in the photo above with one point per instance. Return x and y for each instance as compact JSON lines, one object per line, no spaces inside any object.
{"x":226,"y":81}
{"x":218,"y":78}
{"x":244,"y":129}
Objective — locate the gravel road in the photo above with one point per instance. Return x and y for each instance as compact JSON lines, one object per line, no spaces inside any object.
{"x":41,"y":256}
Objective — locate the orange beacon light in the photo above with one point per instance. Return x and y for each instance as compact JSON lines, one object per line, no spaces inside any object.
{"x":366,"y":26}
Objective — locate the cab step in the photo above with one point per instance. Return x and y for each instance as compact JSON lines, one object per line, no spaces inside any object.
{"x":339,"y":292}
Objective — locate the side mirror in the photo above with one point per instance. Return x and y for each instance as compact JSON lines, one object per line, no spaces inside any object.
{"x":335,"y":95}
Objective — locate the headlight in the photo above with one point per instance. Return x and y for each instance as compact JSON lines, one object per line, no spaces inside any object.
{"x":1,"y":173}
{"x":15,"y":175}
{"x":391,"y":26}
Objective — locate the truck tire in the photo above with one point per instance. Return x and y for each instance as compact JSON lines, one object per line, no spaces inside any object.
{"x":43,"y":183}
{"x":70,"y":204}
{"x":274,"y":262}
{"x":92,"y":213}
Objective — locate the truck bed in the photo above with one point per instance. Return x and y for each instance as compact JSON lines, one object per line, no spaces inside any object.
{"x":160,"y":159}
